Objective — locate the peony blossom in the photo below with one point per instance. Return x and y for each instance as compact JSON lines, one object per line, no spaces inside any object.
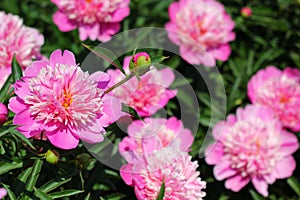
{"x":280,"y":91}
{"x":95,"y":19}
{"x":252,"y":146}
{"x":3,"y":193}
{"x":178,"y":173}
{"x":147,"y":95}
{"x":3,"y":113}
{"x":59,"y":99}
{"x":15,"y":38}
{"x":202,"y":30}
{"x":154,"y":134}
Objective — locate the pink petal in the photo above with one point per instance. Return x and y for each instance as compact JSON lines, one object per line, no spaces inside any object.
{"x":16,"y":105}
{"x":289,"y":143}
{"x":173,"y":10}
{"x":214,"y":153}
{"x":125,"y":173}
{"x":63,"y":23}
{"x":102,"y":79}
{"x":223,"y":170}
{"x":236,"y":183}
{"x":260,"y":185}
{"x":63,"y":138}
{"x":22,"y":88}
{"x":111,"y":111}
{"x":83,"y":32}
{"x":67,"y":57}
{"x":92,"y":134}
{"x":168,"y":77}
{"x":34,"y":68}
{"x":120,"y":14}
{"x":285,"y":167}
{"x":222,"y":53}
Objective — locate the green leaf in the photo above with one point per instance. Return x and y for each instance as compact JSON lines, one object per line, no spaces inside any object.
{"x":255,"y":196}
{"x":161,"y":192}
{"x":107,"y":55}
{"x":41,"y":194}
{"x":6,"y":167}
{"x":5,"y":89}
{"x":24,"y":175}
{"x":158,"y":59}
{"x":131,"y":111}
{"x":294,"y":184}
{"x":53,"y":184}
{"x":10,"y":194}
{"x":65,"y":193}
{"x":16,"y":69}
{"x":37,"y":166}
{"x":115,"y":196}
{"x":21,"y":136}
{"x":4,"y":132}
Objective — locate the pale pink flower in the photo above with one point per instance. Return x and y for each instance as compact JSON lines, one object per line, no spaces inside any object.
{"x":3,"y":193}
{"x":154,"y":134}
{"x":202,"y":29}
{"x":67,"y":104}
{"x":252,"y":146}
{"x":3,"y":113}
{"x":95,"y":19}
{"x":182,"y":181}
{"x":147,"y":95}
{"x":246,"y":12}
{"x":279,"y":90}
{"x":15,"y":38}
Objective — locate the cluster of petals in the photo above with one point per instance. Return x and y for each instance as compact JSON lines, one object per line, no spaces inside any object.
{"x":252,"y":146}
{"x":95,"y":19}
{"x":280,"y":91}
{"x":59,"y":100}
{"x":146,"y":94}
{"x":202,"y":29}
{"x":153,"y":134}
{"x":18,"y":39}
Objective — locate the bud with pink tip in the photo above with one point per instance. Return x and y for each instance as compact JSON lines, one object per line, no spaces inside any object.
{"x":140,"y":63}
{"x":246,"y":12}
{"x":3,"y":113}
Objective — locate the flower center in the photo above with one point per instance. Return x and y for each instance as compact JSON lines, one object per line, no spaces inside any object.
{"x":68,"y":99}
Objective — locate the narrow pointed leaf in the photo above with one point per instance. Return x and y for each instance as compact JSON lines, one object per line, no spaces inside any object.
{"x":294,"y":184}
{"x":16,"y":69}
{"x":21,"y":136}
{"x":5,"y":90}
{"x":65,"y":193}
{"x":6,"y":166}
{"x":107,"y":55}
{"x":131,"y":111}
{"x":161,"y":192}
{"x":41,"y":194}
{"x":37,"y":166}
{"x":10,"y":194}
{"x":53,"y":184}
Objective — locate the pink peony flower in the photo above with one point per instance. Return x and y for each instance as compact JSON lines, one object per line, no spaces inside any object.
{"x":147,"y":95}
{"x":95,"y":19}
{"x":202,"y":29}
{"x":65,"y":103}
{"x":179,"y":174}
{"x":3,"y":113}
{"x":15,"y":38}
{"x":3,"y":193}
{"x":252,"y":146}
{"x":246,"y":12}
{"x":279,"y":90}
{"x":153,"y":135}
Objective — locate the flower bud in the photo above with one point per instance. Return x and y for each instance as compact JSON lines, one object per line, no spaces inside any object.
{"x":3,"y":113}
{"x":52,"y":156}
{"x":246,"y":12}
{"x":140,"y":63}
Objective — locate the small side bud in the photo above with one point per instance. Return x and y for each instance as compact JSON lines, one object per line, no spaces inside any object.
{"x":140,"y":63}
{"x":52,"y":156}
{"x":246,"y":12}
{"x":3,"y":113}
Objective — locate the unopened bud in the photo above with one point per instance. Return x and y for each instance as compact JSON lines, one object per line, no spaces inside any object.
{"x":246,"y":12}
{"x":140,"y":63}
{"x":52,"y":156}
{"x":3,"y":113}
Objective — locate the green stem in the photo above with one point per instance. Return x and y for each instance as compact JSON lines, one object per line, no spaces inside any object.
{"x":118,"y":84}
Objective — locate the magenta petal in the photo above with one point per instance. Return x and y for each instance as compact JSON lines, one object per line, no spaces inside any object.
{"x":92,"y":134}
{"x":222,"y":53}
{"x":289,"y":143}
{"x":63,"y":23}
{"x":120,"y":14}
{"x":102,"y":79}
{"x":83,"y":33}
{"x":173,"y":10}
{"x":285,"y":167}
{"x":63,"y":138}
{"x":34,"y":68}
{"x":125,"y":173}
{"x":223,"y":170}
{"x":168,"y":77}
{"x":111,"y":111}
{"x":22,"y":88}
{"x":67,"y":57}
{"x":236,"y":183}
{"x":214,"y":153}
{"x":260,"y":185}
{"x":16,"y":105}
